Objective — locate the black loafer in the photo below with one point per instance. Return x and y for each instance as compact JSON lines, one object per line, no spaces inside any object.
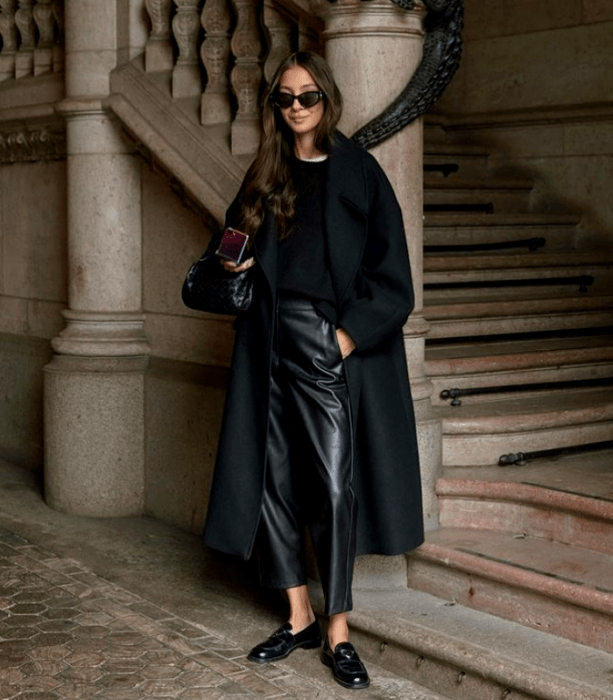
{"x":282,"y":642}
{"x":347,"y":668}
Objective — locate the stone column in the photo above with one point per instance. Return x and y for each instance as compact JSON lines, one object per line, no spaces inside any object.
{"x":374,"y":47}
{"x":94,"y":385}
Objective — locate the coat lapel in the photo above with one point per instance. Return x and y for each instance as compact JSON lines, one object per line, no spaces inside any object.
{"x":344,"y":215}
{"x":266,"y":252}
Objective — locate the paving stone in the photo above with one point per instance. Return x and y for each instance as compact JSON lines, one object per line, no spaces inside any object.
{"x":11,"y":676}
{"x":218,"y":663}
{"x":149,"y":610}
{"x":48,"y":653}
{"x":257,"y":684}
{"x":28,"y":609}
{"x":202,"y":678}
{"x":51,"y":639}
{"x":82,"y":675}
{"x":61,"y":614}
{"x":67,"y":634}
{"x":43,"y":668}
{"x":77,"y":691}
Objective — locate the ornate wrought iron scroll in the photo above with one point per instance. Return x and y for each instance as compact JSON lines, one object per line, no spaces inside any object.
{"x":441,"y":59}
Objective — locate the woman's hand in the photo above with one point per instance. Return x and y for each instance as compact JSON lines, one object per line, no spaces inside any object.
{"x":233,"y":267}
{"x":345,"y":342}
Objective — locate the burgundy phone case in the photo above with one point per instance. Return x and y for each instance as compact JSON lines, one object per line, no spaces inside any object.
{"x":232,"y":244}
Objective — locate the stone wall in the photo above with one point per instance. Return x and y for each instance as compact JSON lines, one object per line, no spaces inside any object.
{"x":185,"y":384}
{"x":536,"y":84}
{"x":529,"y":54}
{"x":32,"y":295}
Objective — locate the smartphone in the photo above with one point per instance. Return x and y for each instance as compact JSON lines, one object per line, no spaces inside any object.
{"x":232,"y":245}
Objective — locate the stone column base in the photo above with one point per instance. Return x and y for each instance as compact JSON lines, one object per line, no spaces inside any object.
{"x":95,"y":435}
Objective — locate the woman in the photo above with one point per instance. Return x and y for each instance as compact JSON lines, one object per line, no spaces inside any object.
{"x":318,"y":427}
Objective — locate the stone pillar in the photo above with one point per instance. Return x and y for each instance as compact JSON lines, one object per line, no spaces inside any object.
{"x":94,"y":385}
{"x":374,"y":47}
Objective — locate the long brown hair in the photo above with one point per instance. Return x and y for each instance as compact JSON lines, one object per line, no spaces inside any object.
{"x":268,"y":184}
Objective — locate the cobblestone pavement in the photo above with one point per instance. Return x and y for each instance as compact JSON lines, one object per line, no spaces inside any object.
{"x":66,"y":633}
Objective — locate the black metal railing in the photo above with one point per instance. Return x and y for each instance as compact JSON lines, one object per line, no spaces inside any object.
{"x":520,"y":459}
{"x":454,"y":395}
{"x":531,"y":244}
{"x":583,"y":282}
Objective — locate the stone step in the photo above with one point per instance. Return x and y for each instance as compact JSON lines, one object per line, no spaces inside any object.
{"x":559,"y":231}
{"x":540,"y":261}
{"x":467,"y":654}
{"x":493,"y":312}
{"x":557,"y":588}
{"x":585,"y":277}
{"x":547,"y":499}
{"x":502,"y":194}
{"x":479,"y":432}
{"x":517,"y":362}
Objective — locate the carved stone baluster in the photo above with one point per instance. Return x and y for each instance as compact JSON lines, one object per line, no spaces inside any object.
{"x":8,"y":31}
{"x":24,"y":59}
{"x":246,"y":77}
{"x":43,"y":54}
{"x":186,"y":78}
{"x":158,"y":51}
{"x":279,"y":34}
{"x":215,"y":53}
{"x":58,"y":46}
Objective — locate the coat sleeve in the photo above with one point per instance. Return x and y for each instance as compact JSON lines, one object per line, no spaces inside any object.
{"x":383,"y":294}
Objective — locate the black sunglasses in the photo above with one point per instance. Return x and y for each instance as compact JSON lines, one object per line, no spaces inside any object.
{"x":285,"y":100}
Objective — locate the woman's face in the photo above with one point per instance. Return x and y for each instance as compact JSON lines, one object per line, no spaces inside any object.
{"x":301,"y":120}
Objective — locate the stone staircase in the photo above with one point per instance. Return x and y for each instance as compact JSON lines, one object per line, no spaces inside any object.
{"x":522,"y":323}
{"x":514,"y":302}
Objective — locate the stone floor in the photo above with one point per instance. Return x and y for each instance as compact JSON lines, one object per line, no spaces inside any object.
{"x":124,"y":610}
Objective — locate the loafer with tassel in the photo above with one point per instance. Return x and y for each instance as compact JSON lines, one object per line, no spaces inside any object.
{"x":347,"y":668}
{"x":283,"y":641}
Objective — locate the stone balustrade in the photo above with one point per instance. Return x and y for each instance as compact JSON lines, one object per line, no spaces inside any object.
{"x":32,"y":38}
{"x":223,"y":51}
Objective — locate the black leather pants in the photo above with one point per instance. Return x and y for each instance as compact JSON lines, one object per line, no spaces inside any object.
{"x":309,"y":459}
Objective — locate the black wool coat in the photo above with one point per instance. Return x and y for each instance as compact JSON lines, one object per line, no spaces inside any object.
{"x":371,"y":276}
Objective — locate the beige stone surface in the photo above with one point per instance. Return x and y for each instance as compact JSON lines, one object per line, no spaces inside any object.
{"x":13,"y":315}
{"x":94,"y":437}
{"x":374,"y":571}
{"x":105,"y":238}
{"x":183,"y":406}
{"x":44,"y":318}
{"x":491,"y":18}
{"x":91,"y":25}
{"x":132,"y":29}
{"x":207,"y":340}
{"x":21,"y":429}
{"x":388,"y":41}
{"x":173,"y":237}
{"x":589,"y":138}
{"x":597,"y":11}
{"x":567,"y":67}
{"x":91,"y":44}
{"x":94,"y":133}
{"x":86,"y":76}
{"x":33,"y":201}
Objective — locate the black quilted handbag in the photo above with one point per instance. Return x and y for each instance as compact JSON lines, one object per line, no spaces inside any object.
{"x":210,"y":287}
